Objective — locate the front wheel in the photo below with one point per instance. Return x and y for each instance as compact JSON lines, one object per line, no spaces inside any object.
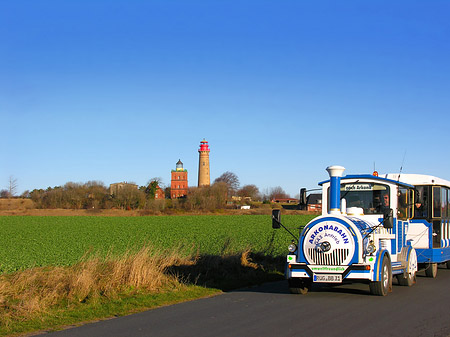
{"x":382,"y":287}
{"x":299,"y":286}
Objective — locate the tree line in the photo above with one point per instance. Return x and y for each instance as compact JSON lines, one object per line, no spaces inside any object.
{"x":224,"y":192}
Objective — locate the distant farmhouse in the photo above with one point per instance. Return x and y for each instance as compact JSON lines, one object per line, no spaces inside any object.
{"x":284,"y":200}
{"x":314,"y":202}
{"x":159,"y":193}
{"x":116,"y":187}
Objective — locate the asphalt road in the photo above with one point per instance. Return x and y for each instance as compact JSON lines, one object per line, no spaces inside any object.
{"x":270,"y":310}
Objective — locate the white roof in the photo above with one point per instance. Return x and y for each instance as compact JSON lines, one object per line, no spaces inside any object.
{"x":417,"y":179}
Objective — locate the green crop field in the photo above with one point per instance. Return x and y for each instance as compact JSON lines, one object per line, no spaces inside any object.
{"x":29,"y":241}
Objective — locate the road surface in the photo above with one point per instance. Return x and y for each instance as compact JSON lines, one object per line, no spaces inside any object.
{"x":269,"y":310}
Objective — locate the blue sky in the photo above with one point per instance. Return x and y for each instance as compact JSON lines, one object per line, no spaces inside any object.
{"x":120,"y":90}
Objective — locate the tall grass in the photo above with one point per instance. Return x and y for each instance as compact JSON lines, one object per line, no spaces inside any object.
{"x":37,"y":292}
{"x":31,"y":292}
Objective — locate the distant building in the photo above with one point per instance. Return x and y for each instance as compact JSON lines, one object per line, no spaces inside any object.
{"x":179,"y":182}
{"x":153,"y":190}
{"x":285,"y":200}
{"x":314,"y":202}
{"x":116,"y":187}
{"x":159,"y":193}
{"x":237,"y":198}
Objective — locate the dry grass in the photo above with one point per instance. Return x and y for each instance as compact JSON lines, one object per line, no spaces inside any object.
{"x":29,"y":293}
{"x":16,"y":204}
{"x":33,"y":293}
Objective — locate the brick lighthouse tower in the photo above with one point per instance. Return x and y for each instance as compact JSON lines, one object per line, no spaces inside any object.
{"x":203,"y":164}
{"x":179,"y":182}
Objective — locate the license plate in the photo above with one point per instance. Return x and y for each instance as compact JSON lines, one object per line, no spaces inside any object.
{"x":328,"y":278}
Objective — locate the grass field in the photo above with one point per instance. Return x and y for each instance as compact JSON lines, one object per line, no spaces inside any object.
{"x":61,"y":241}
{"x":56,"y":271}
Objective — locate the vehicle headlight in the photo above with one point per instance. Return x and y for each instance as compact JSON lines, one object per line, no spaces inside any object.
{"x":292,"y":248}
{"x":371,"y":248}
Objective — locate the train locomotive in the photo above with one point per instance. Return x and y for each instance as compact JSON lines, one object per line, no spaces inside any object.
{"x":370,"y":231}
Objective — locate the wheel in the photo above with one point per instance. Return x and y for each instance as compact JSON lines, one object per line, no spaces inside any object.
{"x":408,"y":278}
{"x":448,"y":264}
{"x":383,"y":286}
{"x":299,"y":286}
{"x":431,"y":270}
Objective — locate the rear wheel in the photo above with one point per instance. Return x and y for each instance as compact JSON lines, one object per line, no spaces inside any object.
{"x":408,"y":278}
{"x":299,"y":286}
{"x":382,"y":287}
{"x":431,"y":270}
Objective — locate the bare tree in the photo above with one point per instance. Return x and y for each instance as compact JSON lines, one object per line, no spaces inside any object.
{"x":158,"y":180}
{"x":12,"y":186}
{"x":277,"y":193}
{"x":230,"y":179}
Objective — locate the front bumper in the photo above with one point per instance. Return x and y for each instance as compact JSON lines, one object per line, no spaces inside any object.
{"x":351,"y":272}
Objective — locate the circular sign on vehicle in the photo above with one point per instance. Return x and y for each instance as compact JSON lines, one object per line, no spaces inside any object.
{"x":329,"y":243}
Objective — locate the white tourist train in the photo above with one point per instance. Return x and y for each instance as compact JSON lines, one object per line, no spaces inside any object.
{"x":372,"y":228}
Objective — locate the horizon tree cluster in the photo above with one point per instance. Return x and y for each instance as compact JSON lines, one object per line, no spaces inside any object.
{"x":224,"y":191}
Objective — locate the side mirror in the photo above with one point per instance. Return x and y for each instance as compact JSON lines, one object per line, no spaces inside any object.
{"x":302,"y":199}
{"x":276,"y":218}
{"x":388,"y":218}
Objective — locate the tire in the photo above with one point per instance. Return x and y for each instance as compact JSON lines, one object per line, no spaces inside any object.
{"x":448,"y":264}
{"x":431,"y":270}
{"x":408,"y":278}
{"x":382,"y":287}
{"x":299,"y":286}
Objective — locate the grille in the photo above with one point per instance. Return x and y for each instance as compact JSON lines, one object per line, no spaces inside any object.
{"x":334,"y":258}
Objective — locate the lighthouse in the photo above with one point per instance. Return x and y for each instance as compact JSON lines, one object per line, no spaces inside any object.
{"x":179,"y":181}
{"x":203,"y":164}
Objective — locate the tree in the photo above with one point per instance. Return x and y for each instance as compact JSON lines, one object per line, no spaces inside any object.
{"x":158,"y":181}
{"x":167,"y":192}
{"x":208,"y":198}
{"x":277,"y":193}
{"x":12,"y":186}
{"x":25,"y":194}
{"x":129,"y":197}
{"x":150,"y":190}
{"x":4,"y":194}
{"x":231,"y":180}
{"x":249,"y":191}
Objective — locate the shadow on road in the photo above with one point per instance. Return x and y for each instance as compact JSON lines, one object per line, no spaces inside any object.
{"x":230,"y":272}
{"x":253,"y":272}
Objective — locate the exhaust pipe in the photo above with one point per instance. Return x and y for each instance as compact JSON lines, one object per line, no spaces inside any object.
{"x":335,"y":173}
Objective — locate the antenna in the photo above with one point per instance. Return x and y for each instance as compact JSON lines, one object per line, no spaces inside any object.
{"x":401,"y":166}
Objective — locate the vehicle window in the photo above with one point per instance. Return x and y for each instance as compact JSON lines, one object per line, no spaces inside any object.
{"x":371,"y":197}
{"x":444,"y":203}
{"x":402,"y":203}
{"x":421,"y":202}
{"x":436,"y":202}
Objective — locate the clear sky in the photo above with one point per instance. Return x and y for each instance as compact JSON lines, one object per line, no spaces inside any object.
{"x":120,"y":90}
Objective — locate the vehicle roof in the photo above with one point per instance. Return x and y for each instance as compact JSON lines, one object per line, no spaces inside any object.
{"x":418,"y":179}
{"x":372,"y":177}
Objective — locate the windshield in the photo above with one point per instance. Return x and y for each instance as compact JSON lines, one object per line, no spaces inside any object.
{"x":373,"y":198}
